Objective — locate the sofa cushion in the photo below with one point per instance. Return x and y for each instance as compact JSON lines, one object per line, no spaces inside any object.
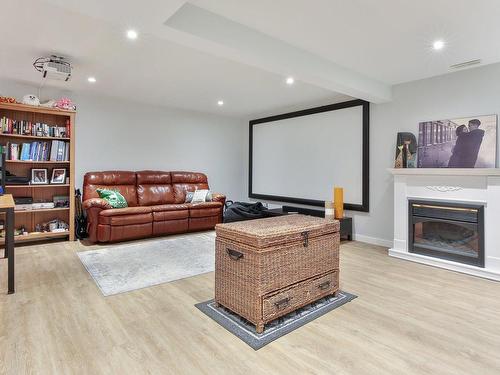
{"x":122,"y":181}
{"x":205,"y":209}
{"x":126,"y":216}
{"x":126,"y":219}
{"x":187,"y":181}
{"x":170,"y":215}
{"x":154,"y":188}
{"x":170,"y":207}
{"x":126,"y":211}
{"x":197,"y":206}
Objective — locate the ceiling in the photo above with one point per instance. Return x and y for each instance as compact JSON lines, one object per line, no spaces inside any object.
{"x":335,"y":49}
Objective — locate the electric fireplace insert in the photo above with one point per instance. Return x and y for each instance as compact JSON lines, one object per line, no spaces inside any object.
{"x":451,"y":231}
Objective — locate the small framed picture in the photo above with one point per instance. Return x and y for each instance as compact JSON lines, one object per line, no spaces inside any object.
{"x":39,"y":176}
{"x":58,"y":176}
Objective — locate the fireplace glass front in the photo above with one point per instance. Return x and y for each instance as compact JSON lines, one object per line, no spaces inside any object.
{"x":449,"y":231}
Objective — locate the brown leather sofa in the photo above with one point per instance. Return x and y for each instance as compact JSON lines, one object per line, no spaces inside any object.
{"x":156,"y":205}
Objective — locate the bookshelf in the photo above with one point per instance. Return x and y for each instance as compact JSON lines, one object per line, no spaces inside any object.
{"x":30,"y":218}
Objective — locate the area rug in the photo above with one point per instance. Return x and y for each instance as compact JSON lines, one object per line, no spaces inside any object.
{"x":277,"y":328}
{"x":122,"y":268}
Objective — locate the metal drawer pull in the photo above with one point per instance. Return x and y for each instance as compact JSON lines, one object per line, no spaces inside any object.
{"x":282,"y":303}
{"x":234,"y":255}
{"x":324,"y":285}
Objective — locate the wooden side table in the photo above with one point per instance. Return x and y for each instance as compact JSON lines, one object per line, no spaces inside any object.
{"x":7,"y":205}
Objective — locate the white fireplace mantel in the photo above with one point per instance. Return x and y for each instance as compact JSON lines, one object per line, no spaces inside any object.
{"x":445,"y":171}
{"x":479,"y":186}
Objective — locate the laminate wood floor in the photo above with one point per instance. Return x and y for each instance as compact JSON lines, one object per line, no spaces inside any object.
{"x":408,"y":319}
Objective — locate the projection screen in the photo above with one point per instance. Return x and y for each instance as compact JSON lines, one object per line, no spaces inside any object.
{"x":298,"y":157}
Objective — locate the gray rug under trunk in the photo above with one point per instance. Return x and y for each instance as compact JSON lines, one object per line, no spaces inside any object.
{"x":277,"y":328}
{"x":122,"y":268}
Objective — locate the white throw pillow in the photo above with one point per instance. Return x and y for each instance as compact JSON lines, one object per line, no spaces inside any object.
{"x":200,"y":196}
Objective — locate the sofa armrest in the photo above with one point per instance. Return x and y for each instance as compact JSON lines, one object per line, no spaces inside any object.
{"x":93,"y":206}
{"x":96,"y":202}
{"x":217,"y":197}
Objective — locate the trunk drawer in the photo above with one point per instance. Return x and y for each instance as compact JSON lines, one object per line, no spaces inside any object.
{"x":298,"y":295}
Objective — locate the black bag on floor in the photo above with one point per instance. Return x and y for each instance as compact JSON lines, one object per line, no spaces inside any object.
{"x":239,"y":211}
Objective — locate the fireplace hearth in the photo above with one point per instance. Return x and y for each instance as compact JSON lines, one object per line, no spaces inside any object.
{"x":451,"y":231}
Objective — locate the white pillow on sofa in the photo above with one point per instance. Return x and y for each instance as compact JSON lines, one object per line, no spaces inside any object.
{"x":200,"y":196}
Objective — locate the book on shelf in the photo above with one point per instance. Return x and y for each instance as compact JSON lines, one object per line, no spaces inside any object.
{"x":37,"y":129}
{"x":37,"y":151}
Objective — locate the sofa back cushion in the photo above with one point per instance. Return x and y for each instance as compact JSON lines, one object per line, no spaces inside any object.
{"x":154,"y":188}
{"x":187,"y":181}
{"x":122,"y":181}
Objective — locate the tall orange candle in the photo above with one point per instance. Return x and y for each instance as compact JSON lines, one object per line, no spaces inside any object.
{"x":338,"y":202}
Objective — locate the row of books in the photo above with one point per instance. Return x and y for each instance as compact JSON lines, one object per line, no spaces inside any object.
{"x":38,"y":129}
{"x":37,"y":151}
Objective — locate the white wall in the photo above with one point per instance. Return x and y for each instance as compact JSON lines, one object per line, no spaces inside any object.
{"x":109,"y":136}
{"x":466,"y":93}
{"x":116,"y":134}
{"x":461,"y":94}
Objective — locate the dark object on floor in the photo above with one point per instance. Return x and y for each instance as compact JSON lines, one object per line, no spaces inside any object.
{"x":345,"y":222}
{"x":277,"y":328}
{"x":240,"y":211}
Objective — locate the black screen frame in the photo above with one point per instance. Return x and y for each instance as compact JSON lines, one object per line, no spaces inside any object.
{"x":365,"y":201}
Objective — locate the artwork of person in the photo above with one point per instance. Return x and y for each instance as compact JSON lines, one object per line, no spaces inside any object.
{"x":466,"y":150}
{"x":406,"y":151}
{"x":39,"y":176}
{"x":58,"y":176}
{"x":467,"y":142}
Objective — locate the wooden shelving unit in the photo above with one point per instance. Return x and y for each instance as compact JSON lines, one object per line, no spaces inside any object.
{"x":35,"y":162}
{"x":39,"y":237}
{"x":29,"y":218}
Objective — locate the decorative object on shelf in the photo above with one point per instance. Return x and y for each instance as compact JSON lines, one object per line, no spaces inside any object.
{"x":42,"y":205}
{"x":61,"y":201}
{"x":23,"y":203}
{"x":469,"y":142}
{"x":338,"y":202}
{"x":56,"y":225}
{"x":7,"y":99}
{"x":49,"y":103}
{"x":58,"y":176}
{"x":329,"y":210}
{"x":65,"y":104}
{"x":31,"y":99}
{"x":406,"y":150}
{"x":39,"y":176}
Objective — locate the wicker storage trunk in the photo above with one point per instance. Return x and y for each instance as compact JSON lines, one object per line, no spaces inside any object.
{"x":267,"y":268}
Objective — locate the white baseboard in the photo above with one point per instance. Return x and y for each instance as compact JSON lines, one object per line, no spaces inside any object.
{"x":373,"y":240}
{"x":446,"y":264}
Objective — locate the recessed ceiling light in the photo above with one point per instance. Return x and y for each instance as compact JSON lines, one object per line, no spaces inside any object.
{"x":290,"y":81}
{"x":92,"y":79}
{"x":220,"y":103}
{"x":132,"y":34}
{"x":438,"y":44}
